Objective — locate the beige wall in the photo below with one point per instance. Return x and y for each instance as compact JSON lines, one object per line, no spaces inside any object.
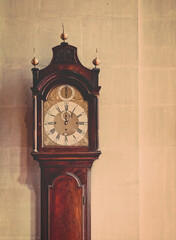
{"x":134,"y":181}
{"x":157,"y":119}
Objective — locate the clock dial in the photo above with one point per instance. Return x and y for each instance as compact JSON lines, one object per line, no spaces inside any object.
{"x":66,"y":92}
{"x":65,"y":123}
{"x":65,"y":118}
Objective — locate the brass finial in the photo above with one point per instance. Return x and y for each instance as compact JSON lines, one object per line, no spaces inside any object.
{"x":63,"y":36}
{"x":96,"y":61}
{"x":34,"y":61}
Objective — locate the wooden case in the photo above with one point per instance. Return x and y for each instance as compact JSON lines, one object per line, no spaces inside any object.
{"x":65,"y":170}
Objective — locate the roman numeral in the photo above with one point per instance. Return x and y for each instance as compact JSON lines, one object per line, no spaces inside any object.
{"x":79,"y":115}
{"x":66,"y":139}
{"x":81,"y":123}
{"x":51,"y":114}
{"x":79,"y":130}
{"x":51,"y":123}
{"x":58,"y":136}
{"x":52,"y":130}
{"x":58,"y":109}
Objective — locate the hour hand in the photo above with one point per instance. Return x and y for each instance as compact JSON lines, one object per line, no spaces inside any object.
{"x":66,"y":119}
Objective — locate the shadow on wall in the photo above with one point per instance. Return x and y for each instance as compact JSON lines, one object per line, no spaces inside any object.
{"x":30,"y":171}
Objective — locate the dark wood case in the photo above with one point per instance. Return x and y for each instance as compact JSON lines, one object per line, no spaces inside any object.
{"x":65,"y":171}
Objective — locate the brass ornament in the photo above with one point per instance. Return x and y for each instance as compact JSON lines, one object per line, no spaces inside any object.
{"x":96,"y":60}
{"x":63,"y":35}
{"x":35,"y":62}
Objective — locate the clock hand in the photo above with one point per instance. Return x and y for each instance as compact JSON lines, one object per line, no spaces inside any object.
{"x":66,"y":91}
{"x":71,"y":115}
{"x":66,"y":119}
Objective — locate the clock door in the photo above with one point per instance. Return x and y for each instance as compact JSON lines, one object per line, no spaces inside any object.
{"x":66,"y":209}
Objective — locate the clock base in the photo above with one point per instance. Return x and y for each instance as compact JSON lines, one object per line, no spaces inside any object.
{"x":65,"y":204}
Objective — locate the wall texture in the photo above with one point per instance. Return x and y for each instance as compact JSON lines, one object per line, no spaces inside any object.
{"x":134,"y":181}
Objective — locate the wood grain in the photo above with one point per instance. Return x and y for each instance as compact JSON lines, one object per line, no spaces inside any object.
{"x":65,"y":209}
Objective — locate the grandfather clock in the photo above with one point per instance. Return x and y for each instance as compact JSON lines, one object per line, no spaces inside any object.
{"x":65,"y":141}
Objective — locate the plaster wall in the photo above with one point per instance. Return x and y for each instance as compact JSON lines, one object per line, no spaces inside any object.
{"x":134,"y":181}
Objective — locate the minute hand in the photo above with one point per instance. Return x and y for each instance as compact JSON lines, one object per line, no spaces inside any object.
{"x":71,"y":115}
{"x":66,"y":114}
{"x":66,"y":119}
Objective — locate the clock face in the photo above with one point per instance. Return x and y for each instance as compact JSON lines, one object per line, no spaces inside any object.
{"x":65,"y":120}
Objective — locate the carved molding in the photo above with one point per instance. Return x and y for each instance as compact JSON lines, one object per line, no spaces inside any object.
{"x":70,"y":174}
{"x":64,"y":56}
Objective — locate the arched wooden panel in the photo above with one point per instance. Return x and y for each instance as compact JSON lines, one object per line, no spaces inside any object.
{"x":66,"y":208}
